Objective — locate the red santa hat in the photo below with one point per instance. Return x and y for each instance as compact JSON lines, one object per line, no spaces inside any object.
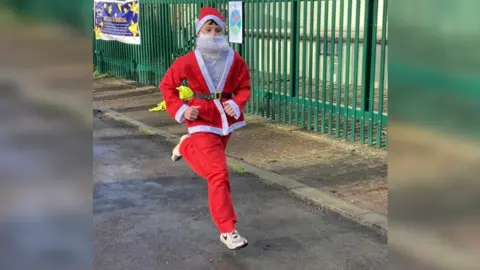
{"x":209,"y":13}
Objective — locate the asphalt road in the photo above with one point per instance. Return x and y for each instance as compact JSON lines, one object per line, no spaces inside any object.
{"x":151,"y":213}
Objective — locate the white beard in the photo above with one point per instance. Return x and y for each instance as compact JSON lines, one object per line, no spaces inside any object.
{"x":212,"y":46}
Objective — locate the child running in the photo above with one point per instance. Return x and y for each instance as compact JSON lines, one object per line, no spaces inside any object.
{"x":220,"y":80}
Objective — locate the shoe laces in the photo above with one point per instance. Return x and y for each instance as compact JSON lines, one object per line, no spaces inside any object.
{"x":234,"y":234}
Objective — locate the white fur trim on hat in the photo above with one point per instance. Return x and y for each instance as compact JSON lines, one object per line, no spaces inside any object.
{"x":216,"y":19}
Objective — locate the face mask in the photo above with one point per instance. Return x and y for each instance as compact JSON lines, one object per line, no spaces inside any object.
{"x":212,"y":45}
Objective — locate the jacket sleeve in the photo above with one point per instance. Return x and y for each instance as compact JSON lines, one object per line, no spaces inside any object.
{"x":168,"y":86}
{"x":242,"y":92}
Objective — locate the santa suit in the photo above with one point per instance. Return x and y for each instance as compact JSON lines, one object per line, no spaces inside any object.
{"x":204,"y":150}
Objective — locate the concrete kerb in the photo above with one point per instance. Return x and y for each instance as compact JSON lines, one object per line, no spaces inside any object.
{"x":318,"y":197}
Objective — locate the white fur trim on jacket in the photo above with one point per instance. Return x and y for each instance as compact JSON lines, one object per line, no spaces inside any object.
{"x":215,"y":130}
{"x":179,"y":115}
{"x":216,"y":19}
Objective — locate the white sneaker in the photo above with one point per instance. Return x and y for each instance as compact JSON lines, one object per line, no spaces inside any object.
{"x":233,"y":240}
{"x":176,"y":150}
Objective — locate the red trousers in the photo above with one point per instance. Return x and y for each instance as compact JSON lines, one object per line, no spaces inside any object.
{"x":205,"y":153}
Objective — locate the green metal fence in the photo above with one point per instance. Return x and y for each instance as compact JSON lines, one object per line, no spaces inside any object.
{"x":319,"y":65}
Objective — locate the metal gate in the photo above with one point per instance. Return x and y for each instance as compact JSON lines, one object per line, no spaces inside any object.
{"x":319,"y":65}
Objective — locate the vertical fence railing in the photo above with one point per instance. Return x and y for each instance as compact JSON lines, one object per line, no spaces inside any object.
{"x":316,"y":64}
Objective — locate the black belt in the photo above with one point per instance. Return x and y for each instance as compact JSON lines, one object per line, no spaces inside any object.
{"x":213,"y":96}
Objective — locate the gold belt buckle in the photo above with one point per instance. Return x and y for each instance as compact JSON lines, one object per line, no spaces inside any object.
{"x":217,"y":95}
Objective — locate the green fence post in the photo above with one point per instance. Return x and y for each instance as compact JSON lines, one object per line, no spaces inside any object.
{"x":100,"y":62}
{"x":294,"y":49}
{"x":368,"y":43}
{"x":373,"y":50}
{"x":347,"y":72}
{"x":94,"y":54}
{"x":366,"y":66}
{"x":294,"y":70}
{"x":241,"y":46}
{"x":285,"y":98}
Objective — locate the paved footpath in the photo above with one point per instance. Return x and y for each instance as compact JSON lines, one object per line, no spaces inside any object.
{"x":151,"y":213}
{"x":344,"y":177}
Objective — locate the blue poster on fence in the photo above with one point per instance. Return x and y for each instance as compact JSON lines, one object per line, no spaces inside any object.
{"x":117,"y":20}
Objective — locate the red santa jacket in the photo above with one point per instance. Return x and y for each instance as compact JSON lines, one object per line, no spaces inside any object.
{"x":212,"y":116}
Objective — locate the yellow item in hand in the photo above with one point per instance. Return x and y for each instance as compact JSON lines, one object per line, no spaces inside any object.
{"x":184,"y":93}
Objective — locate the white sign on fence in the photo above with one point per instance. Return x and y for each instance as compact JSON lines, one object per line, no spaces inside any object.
{"x":117,"y":20}
{"x":235,"y":22}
